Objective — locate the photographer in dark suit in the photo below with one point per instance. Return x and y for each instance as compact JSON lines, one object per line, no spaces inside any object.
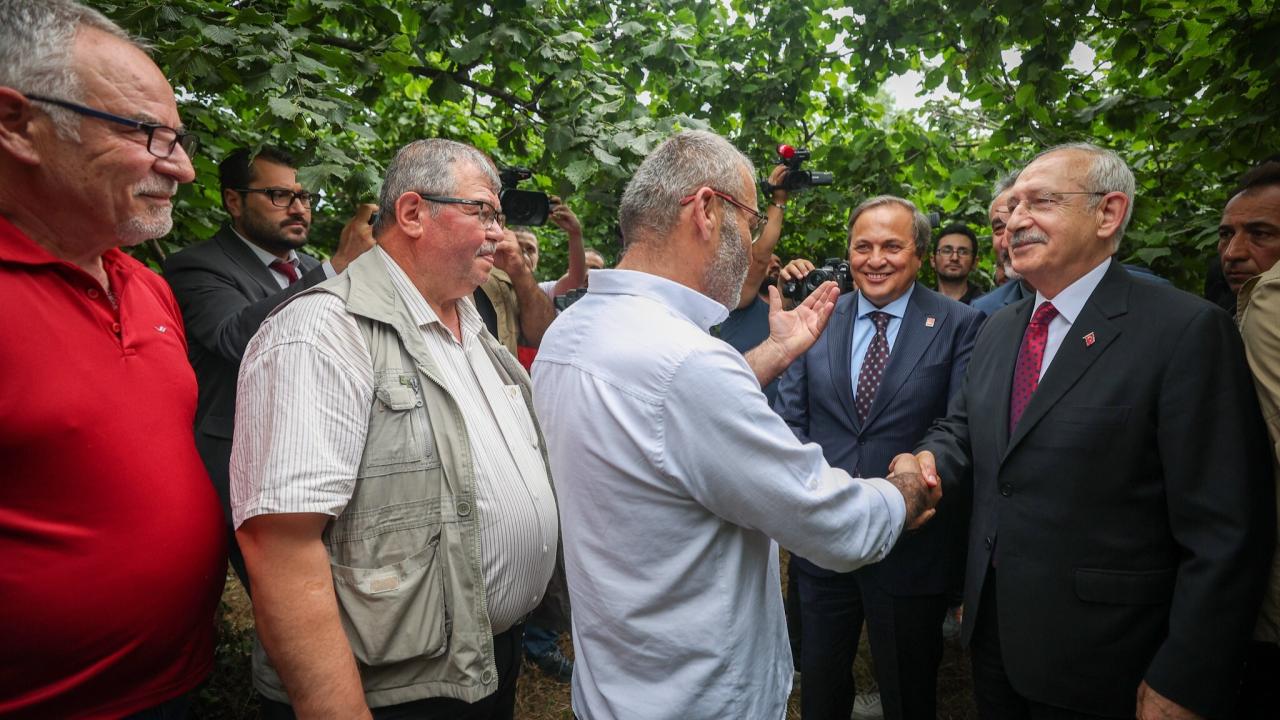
{"x":894,"y":353}
{"x":1122,"y":511}
{"x":228,"y":284}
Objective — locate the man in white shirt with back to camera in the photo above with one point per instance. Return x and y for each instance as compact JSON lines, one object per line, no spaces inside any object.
{"x":673,"y":475}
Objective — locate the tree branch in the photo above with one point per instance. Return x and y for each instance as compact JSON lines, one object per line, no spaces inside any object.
{"x":462,"y":79}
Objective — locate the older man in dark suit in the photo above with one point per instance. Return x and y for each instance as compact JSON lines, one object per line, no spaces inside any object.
{"x":1122,"y":518}
{"x":894,"y":353}
{"x":228,"y":284}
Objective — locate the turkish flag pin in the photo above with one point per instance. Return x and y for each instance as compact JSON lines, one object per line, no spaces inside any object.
{"x":929,"y":321}
{"x":1090,"y":339}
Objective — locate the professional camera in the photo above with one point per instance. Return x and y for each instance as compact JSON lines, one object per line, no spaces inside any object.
{"x":835,"y":269}
{"x":562,"y":302}
{"x":796,"y":179}
{"x":522,"y":207}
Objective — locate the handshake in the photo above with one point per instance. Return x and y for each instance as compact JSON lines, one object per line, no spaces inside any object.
{"x":916,"y":477}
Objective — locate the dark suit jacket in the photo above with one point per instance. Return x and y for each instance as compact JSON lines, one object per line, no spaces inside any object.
{"x":926,"y":365}
{"x":1128,"y":512}
{"x":225,"y":293}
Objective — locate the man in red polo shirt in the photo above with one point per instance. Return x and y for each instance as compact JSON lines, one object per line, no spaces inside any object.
{"x":112,"y":557}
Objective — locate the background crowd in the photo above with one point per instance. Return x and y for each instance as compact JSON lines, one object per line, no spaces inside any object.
{"x":1075,"y":466}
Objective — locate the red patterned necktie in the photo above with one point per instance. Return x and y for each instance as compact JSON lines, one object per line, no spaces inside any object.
{"x":872,"y":366}
{"x":1026,"y":373}
{"x":285,"y":268}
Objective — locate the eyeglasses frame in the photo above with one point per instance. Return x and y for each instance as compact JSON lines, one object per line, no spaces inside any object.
{"x":297,"y":195}
{"x":189,"y":141}
{"x":497,"y":216}
{"x":755,"y":222}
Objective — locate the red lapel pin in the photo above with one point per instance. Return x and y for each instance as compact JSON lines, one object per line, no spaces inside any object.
{"x":1090,"y":339}
{"x":929,"y":321}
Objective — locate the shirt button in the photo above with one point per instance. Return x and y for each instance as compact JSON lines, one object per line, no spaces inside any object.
{"x":92,"y":293}
{"x":1006,"y":489}
{"x":544,"y":548}
{"x":115,"y":328}
{"x":463,"y":508}
{"x":486,"y":677}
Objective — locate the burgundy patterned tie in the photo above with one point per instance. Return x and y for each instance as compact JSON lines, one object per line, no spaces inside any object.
{"x":1026,"y":373}
{"x":872,"y":367}
{"x":285,"y":268}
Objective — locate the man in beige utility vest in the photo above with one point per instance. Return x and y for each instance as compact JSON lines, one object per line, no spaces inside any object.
{"x":389,"y":484}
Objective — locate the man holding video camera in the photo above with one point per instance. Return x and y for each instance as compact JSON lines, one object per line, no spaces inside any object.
{"x":893,"y":355}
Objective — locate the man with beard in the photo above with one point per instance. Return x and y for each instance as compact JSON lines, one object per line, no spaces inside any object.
{"x":953,"y":258}
{"x":1015,"y":287}
{"x":111,"y":551}
{"x":672,"y":472}
{"x":227,"y":285}
{"x":1123,"y":514}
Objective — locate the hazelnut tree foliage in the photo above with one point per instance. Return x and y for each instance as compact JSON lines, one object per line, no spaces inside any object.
{"x":580,"y":90}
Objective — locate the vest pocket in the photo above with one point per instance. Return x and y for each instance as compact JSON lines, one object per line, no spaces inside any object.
{"x":396,"y":612}
{"x":399,"y":438}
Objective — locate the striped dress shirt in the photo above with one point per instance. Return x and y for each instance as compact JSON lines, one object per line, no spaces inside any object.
{"x":306,"y":386}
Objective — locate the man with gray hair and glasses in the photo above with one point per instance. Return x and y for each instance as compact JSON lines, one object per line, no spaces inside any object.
{"x":1122,"y":515}
{"x":112,"y":558}
{"x":673,"y":474}
{"x":388,"y":481}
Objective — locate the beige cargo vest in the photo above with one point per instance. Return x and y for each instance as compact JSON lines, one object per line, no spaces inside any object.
{"x":405,"y":552}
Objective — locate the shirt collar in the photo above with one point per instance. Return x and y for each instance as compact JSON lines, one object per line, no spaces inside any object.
{"x":420,"y":310}
{"x":896,"y":309}
{"x":1071,"y":300}
{"x":17,"y":247}
{"x":693,"y":305}
{"x":264,"y":256}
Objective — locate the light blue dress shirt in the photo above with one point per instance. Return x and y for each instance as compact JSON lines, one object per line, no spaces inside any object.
{"x":864,"y":329}
{"x":672,"y":475}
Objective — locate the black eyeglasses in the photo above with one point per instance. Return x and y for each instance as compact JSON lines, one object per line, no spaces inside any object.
{"x":161,"y":139}
{"x":755,"y":221}
{"x":960,"y":252}
{"x":488,"y":214}
{"x":281,"y":197}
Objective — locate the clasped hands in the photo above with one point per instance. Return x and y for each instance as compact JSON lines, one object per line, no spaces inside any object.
{"x":916,"y":477}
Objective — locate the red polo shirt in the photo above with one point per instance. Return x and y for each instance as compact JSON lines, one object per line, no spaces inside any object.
{"x":112,"y":554}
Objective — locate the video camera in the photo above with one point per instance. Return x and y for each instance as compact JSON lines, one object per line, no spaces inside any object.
{"x":835,"y":269}
{"x":522,"y":207}
{"x":796,"y":179}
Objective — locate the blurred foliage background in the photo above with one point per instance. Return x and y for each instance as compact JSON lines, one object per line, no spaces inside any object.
{"x":580,"y":91}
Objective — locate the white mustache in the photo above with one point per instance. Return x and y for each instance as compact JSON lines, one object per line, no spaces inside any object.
{"x":157,"y":185}
{"x":487,"y":248}
{"x":1027,"y":237}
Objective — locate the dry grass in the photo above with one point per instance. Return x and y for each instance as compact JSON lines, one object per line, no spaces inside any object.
{"x":229,"y":693}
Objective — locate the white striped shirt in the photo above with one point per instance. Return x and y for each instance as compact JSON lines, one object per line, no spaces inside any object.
{"x":306,"y":386}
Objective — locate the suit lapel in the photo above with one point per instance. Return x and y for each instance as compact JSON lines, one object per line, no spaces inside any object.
{"x":1089,"y":336}
{"x":840,"y":353}
{"x":242,"y":256}
{"x":915,"y":335}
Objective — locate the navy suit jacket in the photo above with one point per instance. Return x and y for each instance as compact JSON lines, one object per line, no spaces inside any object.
{"x":926,"y":365}
{"x":1130,"y":513}
{"x":225,"y":293}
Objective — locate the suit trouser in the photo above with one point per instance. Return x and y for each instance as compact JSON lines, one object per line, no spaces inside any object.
{"x":995,"y":695}
{"x":906,"y":643}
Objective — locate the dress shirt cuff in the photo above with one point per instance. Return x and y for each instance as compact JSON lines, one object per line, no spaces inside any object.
{"x":897,"y":507}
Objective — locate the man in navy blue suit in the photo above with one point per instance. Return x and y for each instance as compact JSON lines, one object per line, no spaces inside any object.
{"x":892,"y":356}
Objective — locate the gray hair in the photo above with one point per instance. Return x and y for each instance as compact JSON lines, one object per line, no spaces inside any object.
{"x":1005,"y":182}
{"x":919,"y":223}
{"x":681,"y":165}
{"x":429,"y":167}
{"x":1107,"y":173}
{"x":37,"y":39}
